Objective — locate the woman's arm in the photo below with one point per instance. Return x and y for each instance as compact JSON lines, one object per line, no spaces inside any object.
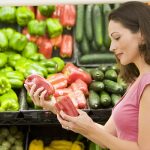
{"x":101,"y":137}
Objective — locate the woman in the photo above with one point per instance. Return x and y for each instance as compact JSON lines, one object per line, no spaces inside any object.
{"x":129,"y":125}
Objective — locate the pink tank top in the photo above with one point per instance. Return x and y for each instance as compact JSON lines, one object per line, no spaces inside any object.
{"x":126,"y":112}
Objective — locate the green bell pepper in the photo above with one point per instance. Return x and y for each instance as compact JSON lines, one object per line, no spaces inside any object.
{"x":22,"y":64}
{"x":36,"y":27}
{"x":13,"y":58}
{"x":9,"y":101}
{"x":35,"y":68}
{"x":46,"y":10}
{"x":3,"y":59}
{"x":37,"y":57}
{"x":30,"y":50}
{"x":50,"y":65}
{"x":54,"y":27}
{"x":4,"y":84}
{"x":18,"y":41}
{"x":16,"y":79}
{"x":60,"y":63}
{"x":3,"y":40}
{"x":6,"y":69}
{"x":8,"y":14}
{"x":9,"y":32}
{"x":24,"y":15}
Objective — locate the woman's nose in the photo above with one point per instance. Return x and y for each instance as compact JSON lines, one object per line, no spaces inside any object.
{"x":112,"y":47}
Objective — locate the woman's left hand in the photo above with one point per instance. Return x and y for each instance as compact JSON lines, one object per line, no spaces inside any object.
{"x":79,"y":124}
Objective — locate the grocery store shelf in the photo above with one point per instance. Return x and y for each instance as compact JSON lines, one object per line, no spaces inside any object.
{"x":48,"y":2}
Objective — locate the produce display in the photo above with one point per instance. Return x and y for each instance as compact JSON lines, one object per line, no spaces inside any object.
{"x":11,"y":138}
{"x":91,"y":34}
{"x":63,"y":48}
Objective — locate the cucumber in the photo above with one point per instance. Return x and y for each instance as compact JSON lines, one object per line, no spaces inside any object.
{"x":94,"y":47}
{"x":103,"y":67}
{"x":122,"y":83}
{"x":115,"y":98}
{"x":94,"y":100}
{"x":79,"y":30}
{"x":22,"y":99}
{"x":96,"y":86}
{"x":97,"y":74}
{"x":114,"y":67}
{"x":106,"y":11}
{"x":97,"y":25}
{"x":97,"y":58}
{"x":113,"y":87}
{"x":88,"y":22}
{"x":105,"y":99}
{"x":85,"y":46}
{"x":111,"y":75}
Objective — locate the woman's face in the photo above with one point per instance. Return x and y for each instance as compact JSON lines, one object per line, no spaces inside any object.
{"x":124,"y":43}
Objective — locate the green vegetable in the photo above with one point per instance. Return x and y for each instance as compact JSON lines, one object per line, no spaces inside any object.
{"x":16,"y":79}
{"x":3,"y":59}
{"x":88,"y":22}
{"x":111,"y":75}
{"x":36,"y":27}
{"x":24,"y":15}
{"x":37,"y":57}
{"x":96,"y":86}
{"x":35,"y":68}
{"x":79,"y":31}
{"x":8,"y":14}
{"x":113,"y":87}
{"x":13,"y":58}
{"x":30,"y":50}
{"x":97,"y":75}
{"x":18,"y":41}
{"x":97,"y":58}
{"x":94,"y":100}
{"x":97,"y":25}
{"x":4,"y":85}
{"x":9,"y":101}
{"x":115,"y":98}
{"x":60,"y":63}
{"x":3,"y":40}
{"x":105,"y":99}
{"x":54,"y":27}
{"x":9,"y":32}
{"x":85,"y":46}
{"x":46,"y":10}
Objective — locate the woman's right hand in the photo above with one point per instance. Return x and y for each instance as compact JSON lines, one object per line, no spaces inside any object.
{"x":37,"y":97}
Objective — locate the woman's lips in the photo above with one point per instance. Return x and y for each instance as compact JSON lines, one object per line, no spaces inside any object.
{"x":119,"y":55}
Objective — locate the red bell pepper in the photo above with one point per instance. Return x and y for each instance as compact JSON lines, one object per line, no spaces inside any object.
{"x":45,"y":47}
{"x":62,"y":92}
{"x":65,"y":104}
{"x":29,"y":37}
{"x":39,"y":16}
{"x":40,"y":82}
{"x":73,"y":73}
{"x":68,"y":16}
{"x":66,"y":48}
{"x":80,"y":98}
{"x":80,"y":85}
{"x":58,"y":80}
{"x":57,"y":12}
{"x":56,"y":41}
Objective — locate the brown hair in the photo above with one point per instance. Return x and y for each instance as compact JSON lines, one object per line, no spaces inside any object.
{"x":136,"y":17}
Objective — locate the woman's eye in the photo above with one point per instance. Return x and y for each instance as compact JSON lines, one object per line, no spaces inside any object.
{"x":117,"y":38}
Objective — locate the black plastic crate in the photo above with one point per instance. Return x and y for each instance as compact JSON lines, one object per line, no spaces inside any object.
{"x":47,"y":133}
{"x":34,"y":117}
{"x":100,"y":115}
